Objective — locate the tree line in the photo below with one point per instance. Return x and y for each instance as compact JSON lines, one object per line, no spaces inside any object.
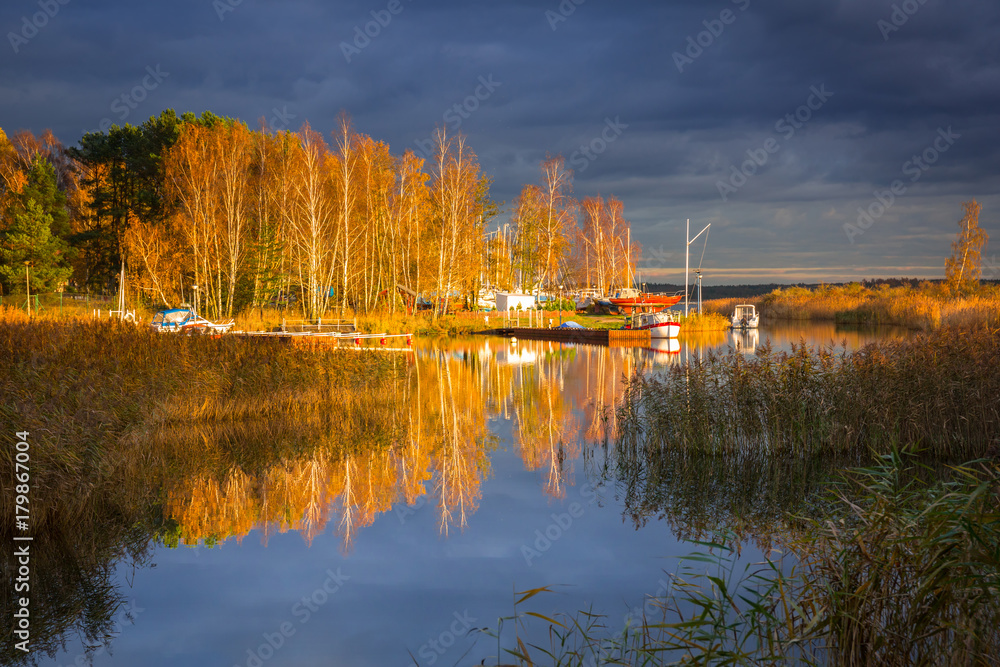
{"x":258,"y":217}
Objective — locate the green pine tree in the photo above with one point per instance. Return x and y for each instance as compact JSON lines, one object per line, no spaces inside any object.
{"x":43,"y":189}
{"x":28,"y":242}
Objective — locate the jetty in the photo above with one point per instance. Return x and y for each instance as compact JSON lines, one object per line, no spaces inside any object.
{"x":612,"y":337}
{"x":351,"y":341}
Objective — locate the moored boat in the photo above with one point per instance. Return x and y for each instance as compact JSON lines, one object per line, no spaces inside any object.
{"x":586,"y":298}
{"x":745,"y":316}
{"x":661,"y":324}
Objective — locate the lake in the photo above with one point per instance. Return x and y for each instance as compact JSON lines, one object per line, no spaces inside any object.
{"x":506,"y":480}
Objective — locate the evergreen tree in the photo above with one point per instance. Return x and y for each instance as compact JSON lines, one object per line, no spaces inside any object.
{"x":42,"y":188}
{"x":28,"y":241}
{"x":125,"y":179}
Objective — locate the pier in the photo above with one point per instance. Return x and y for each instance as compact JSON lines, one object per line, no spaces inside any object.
{"x":610,"y":337}
{"x":352,"y":341}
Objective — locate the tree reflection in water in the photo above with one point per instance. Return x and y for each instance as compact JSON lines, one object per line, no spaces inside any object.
{"x":338,"y":461}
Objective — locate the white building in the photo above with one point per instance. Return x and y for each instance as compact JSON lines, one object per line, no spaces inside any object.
{"x":511,"y":300}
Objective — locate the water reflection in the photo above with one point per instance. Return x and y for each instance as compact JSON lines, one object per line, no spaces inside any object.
{"x":428,"y":439}
{"x":745,"y":341}
{"x":557,"y":397}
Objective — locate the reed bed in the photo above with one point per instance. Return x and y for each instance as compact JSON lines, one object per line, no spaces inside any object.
{"x":88,"y":389}
{"x":894,"y":571}
{"x":701,"y":322}
{"x":923,"y":308}
{"x":896,"y":563}
{"x":940,"y":390}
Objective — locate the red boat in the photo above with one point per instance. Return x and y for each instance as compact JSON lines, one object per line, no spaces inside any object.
{"x":631,"y":299}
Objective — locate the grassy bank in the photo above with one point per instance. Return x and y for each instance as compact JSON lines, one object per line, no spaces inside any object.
{"x":90,"y":389}
{"x":923,"y":308}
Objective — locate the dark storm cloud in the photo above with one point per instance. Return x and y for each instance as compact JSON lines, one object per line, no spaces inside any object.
{"x":692,"y":90}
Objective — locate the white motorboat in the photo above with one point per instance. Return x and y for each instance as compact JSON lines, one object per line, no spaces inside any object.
{"x":661,"y":324}
{"x":486,"y":299}
{"x":745,"y":316}
{"x":186,"y":320}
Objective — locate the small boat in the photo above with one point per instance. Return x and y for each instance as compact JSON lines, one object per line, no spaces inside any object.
{"x":632,"y":299}
{"x":745,"y":317}
{"x":586,"y":298}
{"x":486,"y":300}
{"x":661,"y":324}
{"x":186,"y":320}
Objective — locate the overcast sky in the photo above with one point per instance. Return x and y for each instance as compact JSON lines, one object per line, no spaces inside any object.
{"x":773,"y":120}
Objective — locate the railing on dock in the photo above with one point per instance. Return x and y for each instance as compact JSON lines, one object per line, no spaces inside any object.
{"x":319,"y":325}
{"x":344,"y":340}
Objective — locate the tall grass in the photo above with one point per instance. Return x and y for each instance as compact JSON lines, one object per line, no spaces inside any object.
{"x":923,"y":308}
{"x":707,"y":321}
{"x":939,"y":389}
{"x":895,"y":571}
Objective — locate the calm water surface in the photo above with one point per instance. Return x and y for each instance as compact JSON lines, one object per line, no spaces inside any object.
{"x":504,"y":482}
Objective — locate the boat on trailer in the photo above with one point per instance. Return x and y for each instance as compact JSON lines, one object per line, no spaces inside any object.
{"x":745,"y":316}
{"x":173,"y":320}
{"x":632,"y":299}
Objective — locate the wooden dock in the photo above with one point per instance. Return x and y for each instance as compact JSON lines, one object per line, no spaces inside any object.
{"x":346,"y":341}
{"x":611,"y":337}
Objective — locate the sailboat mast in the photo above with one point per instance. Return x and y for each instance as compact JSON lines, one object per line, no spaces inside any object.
{"x":687,"y":251}
{"x":628,"y":256}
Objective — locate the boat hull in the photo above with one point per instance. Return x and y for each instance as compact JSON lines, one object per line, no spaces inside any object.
{"x":646,"y":300}
{"x":663,"y":330}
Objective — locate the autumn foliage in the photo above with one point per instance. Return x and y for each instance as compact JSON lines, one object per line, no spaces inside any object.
{"x":206,"y":210}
